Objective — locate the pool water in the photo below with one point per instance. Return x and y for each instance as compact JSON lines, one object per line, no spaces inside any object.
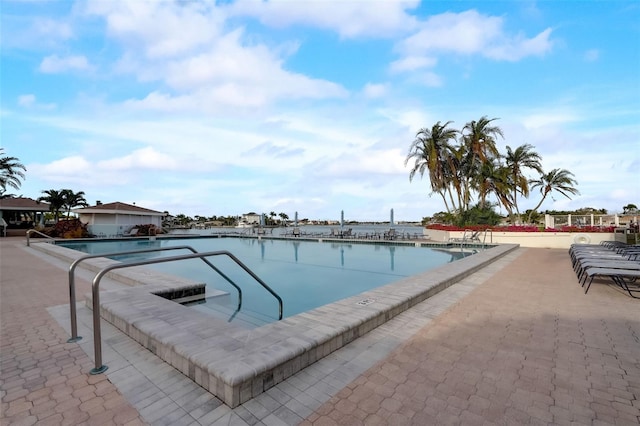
{"x":306,"y":274}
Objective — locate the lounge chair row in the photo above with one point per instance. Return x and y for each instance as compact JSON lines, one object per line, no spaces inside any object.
{"x":618,"y":261}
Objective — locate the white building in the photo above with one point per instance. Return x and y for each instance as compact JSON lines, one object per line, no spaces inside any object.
{"x":117,"y":219}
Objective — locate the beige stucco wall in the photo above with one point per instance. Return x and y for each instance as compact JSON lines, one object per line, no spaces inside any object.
{"x":529,"y":239}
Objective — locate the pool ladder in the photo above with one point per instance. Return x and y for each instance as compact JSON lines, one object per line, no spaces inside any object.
{"x":34,"y":231}
{"x":469,"y":237}
{"x":95,"y":288}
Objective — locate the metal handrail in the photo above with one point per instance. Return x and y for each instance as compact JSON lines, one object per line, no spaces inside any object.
{"x":33,"y":231}
{"x":72,"y":284}
{"x":95,"y":288}
{"x":484,"y":238}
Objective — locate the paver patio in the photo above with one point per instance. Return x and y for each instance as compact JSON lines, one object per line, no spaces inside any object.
{"x":526,"y":346}
{"x":43,"y":379}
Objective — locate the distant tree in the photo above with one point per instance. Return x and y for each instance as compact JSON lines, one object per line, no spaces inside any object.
{"x":587,"y":210}
{"x":11,"y":173}
{"x":559,"y":180}
{"x":73,"y":199}
{"x":56,"y":200}
{"x":182,"y":219}
{"x":630,"y":208}
{"x":283,"y":217}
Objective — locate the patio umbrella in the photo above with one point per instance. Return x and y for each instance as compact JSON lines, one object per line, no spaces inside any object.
{"x":342,"y":219}
{"x":262,"y":219}
{"x":391,"y":218}
{"x":295,"y":219}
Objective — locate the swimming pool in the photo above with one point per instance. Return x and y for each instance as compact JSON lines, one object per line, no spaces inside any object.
{"x":236,"y":363}
{"x":305,"y":273}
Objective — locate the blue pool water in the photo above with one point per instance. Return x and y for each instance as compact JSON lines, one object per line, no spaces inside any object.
{"x":306,"y":274}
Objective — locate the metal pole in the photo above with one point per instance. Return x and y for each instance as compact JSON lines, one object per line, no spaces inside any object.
{"x":97,"y":338}
{"x":72,"y":305}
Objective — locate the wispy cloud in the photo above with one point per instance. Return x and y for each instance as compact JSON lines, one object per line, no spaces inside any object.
{"x":472,"y":33}
{"x":54,"y":64}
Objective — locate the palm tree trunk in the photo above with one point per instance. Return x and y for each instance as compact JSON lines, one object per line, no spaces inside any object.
{"x":443,"y":194}
{"x":515,"y":202}
{"x":453,"y":202}
{"x":536,"y":207}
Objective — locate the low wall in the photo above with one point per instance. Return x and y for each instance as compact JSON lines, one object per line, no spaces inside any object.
{"x":529,"y":239}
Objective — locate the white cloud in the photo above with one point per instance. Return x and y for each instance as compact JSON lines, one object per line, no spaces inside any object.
{"x":378,"y":19}
{"x":145,"y":158}
{"x":34,"y":33}
{"x":29,"y":101}
{"x":54,"y":64}
{"x":549,"y":118}
{"x":429,"y":79}
{"x":207,"y":68}
{"x":373,"y":91}
{"x":412,"y":63}
{"x":66,"y":169}
{"x":472,"y":33}
{"x":159,"y":29}
{"x":26,"y":100}
{"x":520,"y":47}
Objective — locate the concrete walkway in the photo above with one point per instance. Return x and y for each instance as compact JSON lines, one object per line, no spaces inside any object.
{"x":517,"y":343}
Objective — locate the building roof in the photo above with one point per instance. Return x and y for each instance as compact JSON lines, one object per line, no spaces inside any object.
{"x":118,"y":208}
{"x":23,"y":204}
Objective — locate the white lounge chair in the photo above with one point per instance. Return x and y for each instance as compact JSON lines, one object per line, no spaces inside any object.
{"x":132,"y":233}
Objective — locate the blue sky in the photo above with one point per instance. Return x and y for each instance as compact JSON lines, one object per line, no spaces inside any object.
{"x":208,"y":108}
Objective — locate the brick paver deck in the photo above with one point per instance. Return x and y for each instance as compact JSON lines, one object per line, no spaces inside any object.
{"x":43,"y":379}
{"x":525,"y":347}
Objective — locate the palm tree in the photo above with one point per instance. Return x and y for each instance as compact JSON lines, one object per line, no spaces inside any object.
{"x":517,"y":160}
{"x":559,"y":180}
{"x":56,"y":200}
{"x":479,"y":142}
{"x":493,"y":178}
{"x":432,"y":152}
{"x":479,"y":137}
{"x":73,"y":199}
{"x":10,"y":173}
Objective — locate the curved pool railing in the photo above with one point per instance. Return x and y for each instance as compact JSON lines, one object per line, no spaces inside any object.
{"x":72,"y":284}
{"x":33,"y":231}
{"x":95,"y":289}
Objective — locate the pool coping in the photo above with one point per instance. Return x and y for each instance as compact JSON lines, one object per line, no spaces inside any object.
{"x":236,"y":364}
